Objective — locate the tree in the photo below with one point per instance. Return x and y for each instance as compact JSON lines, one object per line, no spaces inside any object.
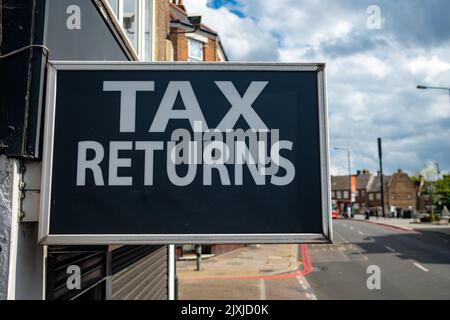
{"x":431,"y":174}
{"x":443,"y":189}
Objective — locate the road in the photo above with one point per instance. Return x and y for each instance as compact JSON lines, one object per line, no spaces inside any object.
{"x":413,"y":265}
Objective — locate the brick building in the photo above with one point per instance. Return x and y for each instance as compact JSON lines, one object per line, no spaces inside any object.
{"x":400,"y":195}
{"x":191,"y":43}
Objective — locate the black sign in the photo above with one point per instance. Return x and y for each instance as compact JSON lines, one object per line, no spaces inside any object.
{"x":185,"y":153}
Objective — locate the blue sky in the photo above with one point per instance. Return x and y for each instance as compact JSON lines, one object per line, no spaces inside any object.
{"x":372,"y":72}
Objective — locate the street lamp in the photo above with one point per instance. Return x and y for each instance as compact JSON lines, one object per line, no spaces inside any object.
{"x":349,"y":170}
{"x":438,"y":170}
{"x":420,"y":87}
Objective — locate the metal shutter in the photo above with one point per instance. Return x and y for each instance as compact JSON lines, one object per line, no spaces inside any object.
{"x":140,"y":273}
{"x":92,"y":262}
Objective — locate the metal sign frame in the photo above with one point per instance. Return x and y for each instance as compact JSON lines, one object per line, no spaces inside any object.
{"x":53,"y":239}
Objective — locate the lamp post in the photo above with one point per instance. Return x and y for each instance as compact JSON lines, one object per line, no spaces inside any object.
{"x":420,"y":87}
{"x":349,"y":170}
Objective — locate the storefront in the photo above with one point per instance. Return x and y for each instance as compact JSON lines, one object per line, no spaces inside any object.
{"x":82,"y":30}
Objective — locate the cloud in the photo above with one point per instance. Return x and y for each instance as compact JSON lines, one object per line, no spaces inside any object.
{"x":372,"y":74}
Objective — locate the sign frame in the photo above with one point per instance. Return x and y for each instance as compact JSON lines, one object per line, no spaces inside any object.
{"x":46,"y":238}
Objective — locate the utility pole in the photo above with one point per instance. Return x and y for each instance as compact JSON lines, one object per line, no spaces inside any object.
{"x":380,"y":155}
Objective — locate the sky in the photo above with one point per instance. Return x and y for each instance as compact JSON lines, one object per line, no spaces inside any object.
{"x":376,"y":54}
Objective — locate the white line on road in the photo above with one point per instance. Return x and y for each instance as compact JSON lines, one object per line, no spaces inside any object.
{"x":305,"y":285}
{"x":339,"y":235}
{"x":361,"y":233}
{"x":352,"y":228}
{"x":390,"y":249}
{"x":421,"y":267}
{"x":262,"y":290}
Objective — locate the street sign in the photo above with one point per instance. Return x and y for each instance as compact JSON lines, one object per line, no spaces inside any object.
{"x":181,"y":153}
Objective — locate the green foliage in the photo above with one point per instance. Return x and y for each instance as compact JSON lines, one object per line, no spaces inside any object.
{"x":443,"y":189}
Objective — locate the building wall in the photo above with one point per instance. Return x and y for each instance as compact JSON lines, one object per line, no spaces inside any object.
{"x":6,"y":213}
{"x":162,"y":30}
{"x":181,"y":50}
{"x":210,"y":51}
{"x":180,"y":44}
{"x":402,"y":192}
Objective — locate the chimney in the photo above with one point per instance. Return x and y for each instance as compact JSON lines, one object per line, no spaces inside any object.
{"x":399,"y":171}
{"x":365,"y":171}
{"x":358,"y":173}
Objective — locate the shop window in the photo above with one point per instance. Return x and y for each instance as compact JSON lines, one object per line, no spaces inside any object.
{"x":339,"y":195}
{"x":346,"y":195}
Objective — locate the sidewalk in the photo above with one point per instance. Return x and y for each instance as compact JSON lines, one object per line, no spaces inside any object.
{"x":242,"y":274}
{"x":405,"y":224}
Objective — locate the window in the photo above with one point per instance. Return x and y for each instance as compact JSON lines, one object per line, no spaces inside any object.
{"x":130,"y":21}
{"x":363,"y":193}
{"x":378,"y":196}
{"x":136,"y":19}
{"x":333,"y":194}
{"x":346,"y":195}
{"x":339,"y":195}
{"x":371,"y":196}
{"x":356,"y":206}
{"x":195,"y":50}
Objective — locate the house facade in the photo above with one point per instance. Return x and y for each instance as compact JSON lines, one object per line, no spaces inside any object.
{"x":193,"y":42}
{"x":400,"y":195}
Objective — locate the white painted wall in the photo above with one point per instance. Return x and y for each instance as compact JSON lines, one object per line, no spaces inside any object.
{"x":6,"y":168}
{"x":21,"y":258}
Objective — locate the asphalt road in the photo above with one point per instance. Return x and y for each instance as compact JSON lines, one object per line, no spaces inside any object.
{"x":413,"y":265}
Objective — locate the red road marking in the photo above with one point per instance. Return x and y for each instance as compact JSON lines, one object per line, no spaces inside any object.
{"x":306,"y":269}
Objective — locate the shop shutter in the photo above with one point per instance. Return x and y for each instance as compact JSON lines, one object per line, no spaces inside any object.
{"x":140,"y":273}
{"x":92,"y":262}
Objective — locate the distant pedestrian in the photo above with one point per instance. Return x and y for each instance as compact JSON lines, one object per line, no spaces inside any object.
{"x":349,"y":212}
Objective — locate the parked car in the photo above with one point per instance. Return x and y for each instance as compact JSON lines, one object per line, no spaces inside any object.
{"x":335,"y":214}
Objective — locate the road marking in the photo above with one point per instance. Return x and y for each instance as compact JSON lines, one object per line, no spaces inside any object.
{"x":309,"y":292}
{"x":361,"y":233}
{"x":421,"y":267}
{"x":352,"y":228}
{"x":262,"y":289}
{"x":342,"y":238}
{"x":390,"y":249}
{"x":344,"y":224}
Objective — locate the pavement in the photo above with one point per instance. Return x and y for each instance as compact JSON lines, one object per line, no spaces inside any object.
{"x":406,"y":224}
{"x":413,"y":264}
{"x":255,"y":272}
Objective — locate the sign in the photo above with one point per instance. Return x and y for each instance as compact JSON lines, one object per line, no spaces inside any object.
{"x":353,"y":188}
{"x":185,"y":153}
